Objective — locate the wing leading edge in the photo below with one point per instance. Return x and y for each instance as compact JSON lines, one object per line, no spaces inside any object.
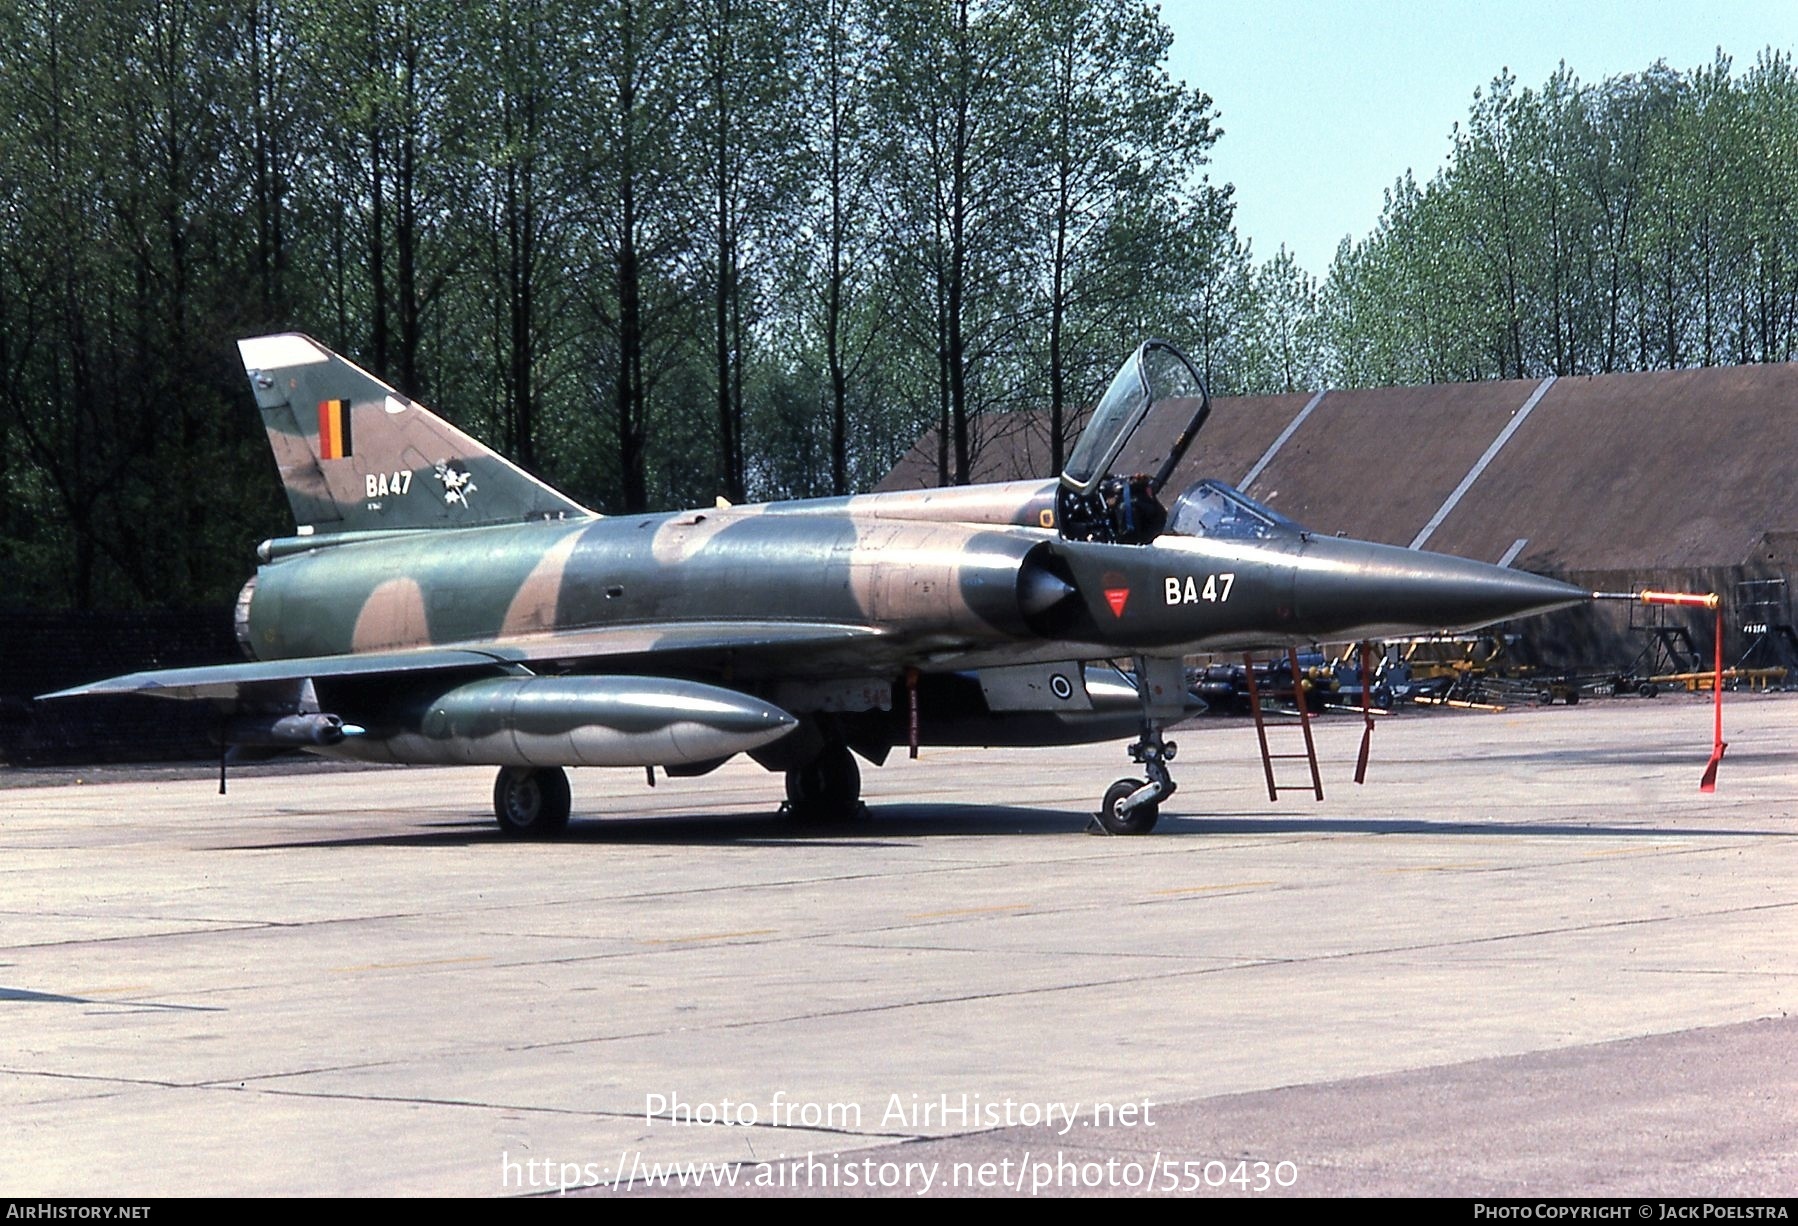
{"x":226,"y":682}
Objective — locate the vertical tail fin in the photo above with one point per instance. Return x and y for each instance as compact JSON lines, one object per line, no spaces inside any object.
{"x":356,"y":455}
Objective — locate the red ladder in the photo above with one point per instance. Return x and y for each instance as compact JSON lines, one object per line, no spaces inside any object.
{"x":1268,"y":758}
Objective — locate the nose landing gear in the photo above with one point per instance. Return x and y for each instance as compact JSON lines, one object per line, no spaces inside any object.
{"x":1133,"y":806}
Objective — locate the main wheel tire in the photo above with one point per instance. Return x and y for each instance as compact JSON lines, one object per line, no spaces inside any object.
{"x":827,"y":789}
{"x":1139,"y":820}
{"x":531,"y":803}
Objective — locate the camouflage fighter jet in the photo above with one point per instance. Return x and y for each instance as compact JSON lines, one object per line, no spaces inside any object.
{"x":436,"y":604}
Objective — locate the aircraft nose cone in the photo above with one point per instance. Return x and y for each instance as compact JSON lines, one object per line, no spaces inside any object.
{"x":1358,"y":589}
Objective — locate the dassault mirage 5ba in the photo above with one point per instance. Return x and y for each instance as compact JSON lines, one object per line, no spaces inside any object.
{"x":436,"y":604}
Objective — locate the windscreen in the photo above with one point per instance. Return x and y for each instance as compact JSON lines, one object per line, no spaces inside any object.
{"x":1213,"y":509}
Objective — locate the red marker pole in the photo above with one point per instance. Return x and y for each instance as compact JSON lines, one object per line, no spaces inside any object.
{"x":1707,"y":600}
{"x":1709,"y":782}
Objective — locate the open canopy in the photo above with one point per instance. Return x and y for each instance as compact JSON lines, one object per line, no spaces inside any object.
{"x":1097,"y":503}
{"x":1154,"y":375}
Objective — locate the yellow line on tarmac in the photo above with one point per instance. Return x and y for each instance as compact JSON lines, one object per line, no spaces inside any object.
{"x":710,"y":936}
{"x":1438,"y":868}
{"x":1212,"y":889}
{"x":1009,"y":906}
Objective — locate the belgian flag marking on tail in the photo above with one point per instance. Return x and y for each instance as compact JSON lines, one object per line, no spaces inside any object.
{"x":333,"y":429}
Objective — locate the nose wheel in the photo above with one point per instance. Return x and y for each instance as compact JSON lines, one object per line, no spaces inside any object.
{"x":1133,"y":806}
{"x":1115,"y":819}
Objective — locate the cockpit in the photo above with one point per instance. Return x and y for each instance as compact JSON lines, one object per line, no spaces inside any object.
{"x":1223,"y":512}
{"x":1154,"y":408}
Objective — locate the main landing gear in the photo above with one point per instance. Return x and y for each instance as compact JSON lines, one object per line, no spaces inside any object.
{"x":826,"y":789}
{"x":531,"y":802}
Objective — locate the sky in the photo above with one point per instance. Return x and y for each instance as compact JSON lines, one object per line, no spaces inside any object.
{"x":1325,"y":103}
